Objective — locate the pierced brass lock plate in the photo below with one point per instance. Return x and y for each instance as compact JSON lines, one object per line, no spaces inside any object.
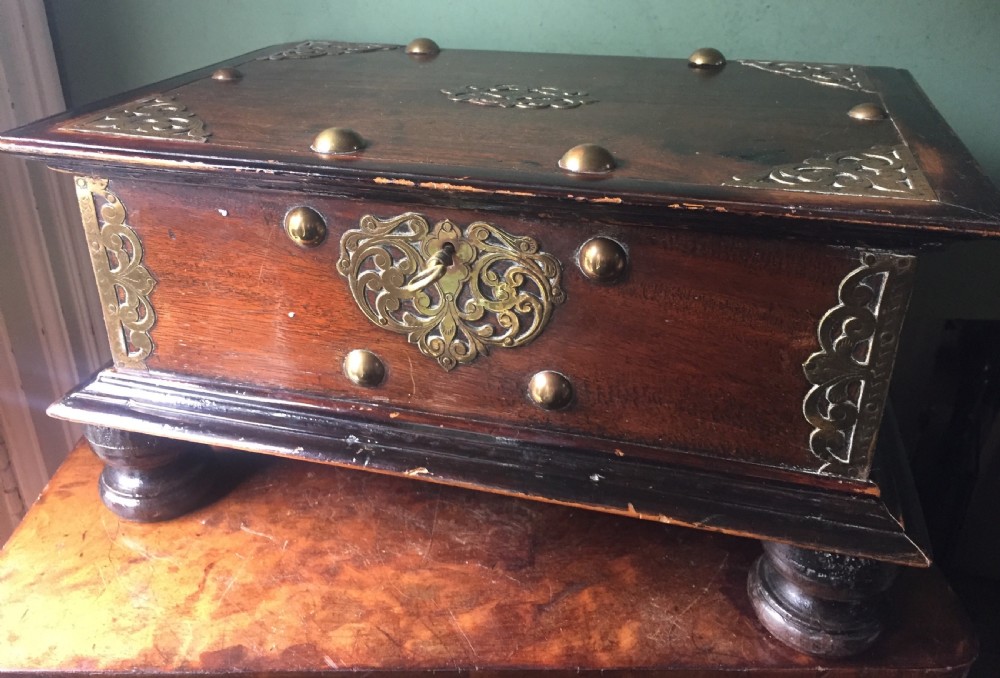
{"x":454,"y":294}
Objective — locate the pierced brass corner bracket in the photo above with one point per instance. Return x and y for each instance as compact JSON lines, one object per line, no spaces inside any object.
{"x":850,"y":373}
{"x":876,"y":172}
{"x":310,"y":49}
{"x":123,"y":282}
{"x":454,"y":294}
{"x":157,"y":116}
{"x":843,"y":76}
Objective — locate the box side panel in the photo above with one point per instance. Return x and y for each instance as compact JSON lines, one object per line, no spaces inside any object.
{"x":698,"y":346}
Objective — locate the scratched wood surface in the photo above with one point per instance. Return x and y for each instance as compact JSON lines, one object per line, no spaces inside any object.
{"x":310,"y":569}
{"x":723,"y":320}
{"x":679,"y":136}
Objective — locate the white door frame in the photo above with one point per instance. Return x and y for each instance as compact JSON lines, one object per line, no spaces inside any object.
{"x":51,"y":335}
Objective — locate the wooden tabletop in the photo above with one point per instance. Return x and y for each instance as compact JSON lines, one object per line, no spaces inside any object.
{"x":303,"y":568}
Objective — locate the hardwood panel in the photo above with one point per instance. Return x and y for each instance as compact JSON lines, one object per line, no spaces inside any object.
{"x":679,"y":135}
{"x":700,"y":348}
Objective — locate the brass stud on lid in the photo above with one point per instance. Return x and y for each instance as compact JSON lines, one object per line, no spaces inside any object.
{"x":587,"y":159}
{"x":706,"y":57}
{"x":422,"y":47}
{"x":364,"y":368}
{"x":868,"y":112}
{"x":337,"y":141}
{"x":227,"y":75}
{"x":305,"y":226}
{"x":602,"y":260}
{"x":550,"y":390}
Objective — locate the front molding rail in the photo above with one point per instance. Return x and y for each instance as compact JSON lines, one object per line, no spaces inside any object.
{"x":243,"y":418}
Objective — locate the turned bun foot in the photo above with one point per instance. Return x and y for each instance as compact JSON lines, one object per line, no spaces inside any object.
{"x":146,"y":478}
{"x":823,"y":604}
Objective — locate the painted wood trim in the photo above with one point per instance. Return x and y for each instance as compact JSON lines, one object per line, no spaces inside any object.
{"x":49,"y":339}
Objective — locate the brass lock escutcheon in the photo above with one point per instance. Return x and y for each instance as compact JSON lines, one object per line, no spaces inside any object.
{"x":454,"y":294}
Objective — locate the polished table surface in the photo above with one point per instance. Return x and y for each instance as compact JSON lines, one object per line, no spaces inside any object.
{"x":303,"y":568}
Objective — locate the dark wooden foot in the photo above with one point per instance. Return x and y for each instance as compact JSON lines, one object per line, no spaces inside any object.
{"x":820,"y":603}
{"x":147,"y":478}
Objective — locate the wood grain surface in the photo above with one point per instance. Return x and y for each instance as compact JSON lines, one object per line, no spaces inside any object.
{"x":679,"y":137}
{"x":307,"y":569}
{"x":699,"y":349}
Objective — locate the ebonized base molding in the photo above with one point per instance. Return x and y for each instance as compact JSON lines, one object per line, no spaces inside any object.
{"x":823,"y":604}
{"x":147,"y":478}
{"x":529,"y":463}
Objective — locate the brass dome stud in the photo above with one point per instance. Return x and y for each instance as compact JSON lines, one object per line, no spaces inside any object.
{"x":706,"y":57}
{"x":550,"y":390}
{"x":227,"y":75}
{"x":423,"y":47}
{"x":337,"y":141}
{"x":587,"y":159}
{"x":305,"y":226}
{"x":868,"y":112}
{"x":364,"y":368}
{"x":602,"y":260}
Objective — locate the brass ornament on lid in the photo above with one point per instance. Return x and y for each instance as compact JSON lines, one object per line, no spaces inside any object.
{"x":422,"y":47}
{"x":879,"y":171}
{"x":519,"y":96}
{"x":550,"y":390}
{"x":587,"y":159}
{"x":364,"y":368}
{"x":831,"y":75}
{"x":706,"y":57}
{"x":226,"y":75}
{"x":602,"y":260}
{"x":456,"y":294}
{"x":157,"y":116}
{"x":305,"y":226}
{"x":868,"y":112}
{"x":337,"y":141}
{"x":310,"y":49}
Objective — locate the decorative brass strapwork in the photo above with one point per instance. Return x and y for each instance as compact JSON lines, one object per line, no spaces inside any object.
{"x":519,"y":96}
{"x":453,"y":294}
{"x":832,"y":75}
{"x":880,"y":171}
{"x":850,"y":373}
{"x":123,"y":282}
{"x":310,"y":49}
{"x":155,"y":116}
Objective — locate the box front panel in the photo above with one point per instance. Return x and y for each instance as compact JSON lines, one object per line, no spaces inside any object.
{"x":697,"y":345}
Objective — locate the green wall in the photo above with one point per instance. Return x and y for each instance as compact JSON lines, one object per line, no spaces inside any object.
{"x":106,"y":46}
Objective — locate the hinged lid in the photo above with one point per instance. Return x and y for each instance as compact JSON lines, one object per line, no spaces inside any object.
{"x":845,"y":143}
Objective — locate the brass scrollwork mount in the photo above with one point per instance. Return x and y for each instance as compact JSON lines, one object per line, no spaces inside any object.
{"x":455,"y":294}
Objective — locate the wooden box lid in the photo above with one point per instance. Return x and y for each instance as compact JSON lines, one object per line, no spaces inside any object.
{"x":758,"y":138}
